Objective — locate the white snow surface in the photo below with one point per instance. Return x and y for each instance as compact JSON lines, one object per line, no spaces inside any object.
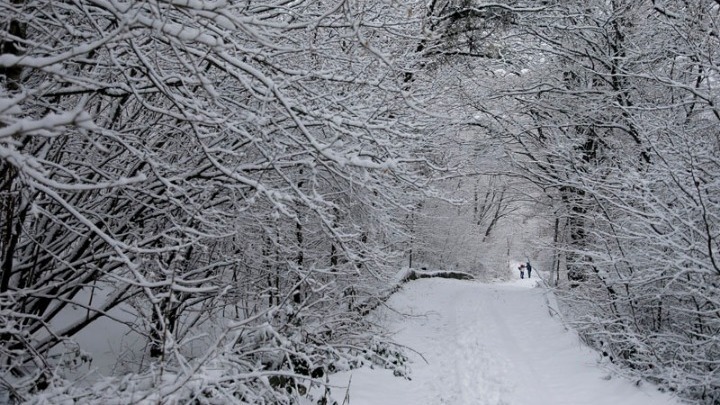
{"x":488,"y":344}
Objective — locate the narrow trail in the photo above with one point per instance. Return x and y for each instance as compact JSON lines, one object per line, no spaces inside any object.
{"x":489,"y":344}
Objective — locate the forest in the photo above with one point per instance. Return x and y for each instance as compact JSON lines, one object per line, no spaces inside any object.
{"x":222,"y":190}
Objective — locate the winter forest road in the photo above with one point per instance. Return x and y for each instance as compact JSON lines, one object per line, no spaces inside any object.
{"x":488,"y":344}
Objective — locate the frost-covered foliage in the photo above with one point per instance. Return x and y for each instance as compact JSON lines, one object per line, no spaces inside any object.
{"x":212,"y":176}
{"x":616,"y":121}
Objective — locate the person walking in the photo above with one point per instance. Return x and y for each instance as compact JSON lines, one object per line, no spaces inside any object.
{"x":529,"y":269}
{"x":522,"y":270}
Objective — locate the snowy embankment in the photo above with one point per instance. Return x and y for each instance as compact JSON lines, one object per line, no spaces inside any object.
{"x":480,"y":344}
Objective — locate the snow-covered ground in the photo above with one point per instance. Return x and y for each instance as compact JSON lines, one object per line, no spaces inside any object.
{"x":482,"y":344}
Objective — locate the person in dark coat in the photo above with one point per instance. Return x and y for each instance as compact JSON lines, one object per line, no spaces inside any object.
{"x":529,"y":268}
{"x":522,"y":270}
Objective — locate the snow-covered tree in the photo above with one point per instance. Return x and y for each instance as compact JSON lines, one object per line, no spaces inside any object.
{"x":220,"y":171}
{"x":613,"y":124}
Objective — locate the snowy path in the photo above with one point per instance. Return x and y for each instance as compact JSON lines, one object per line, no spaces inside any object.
{"x":489,"y":344}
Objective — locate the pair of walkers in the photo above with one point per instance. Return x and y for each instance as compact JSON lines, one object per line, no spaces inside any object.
{"x":523,"y":267}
